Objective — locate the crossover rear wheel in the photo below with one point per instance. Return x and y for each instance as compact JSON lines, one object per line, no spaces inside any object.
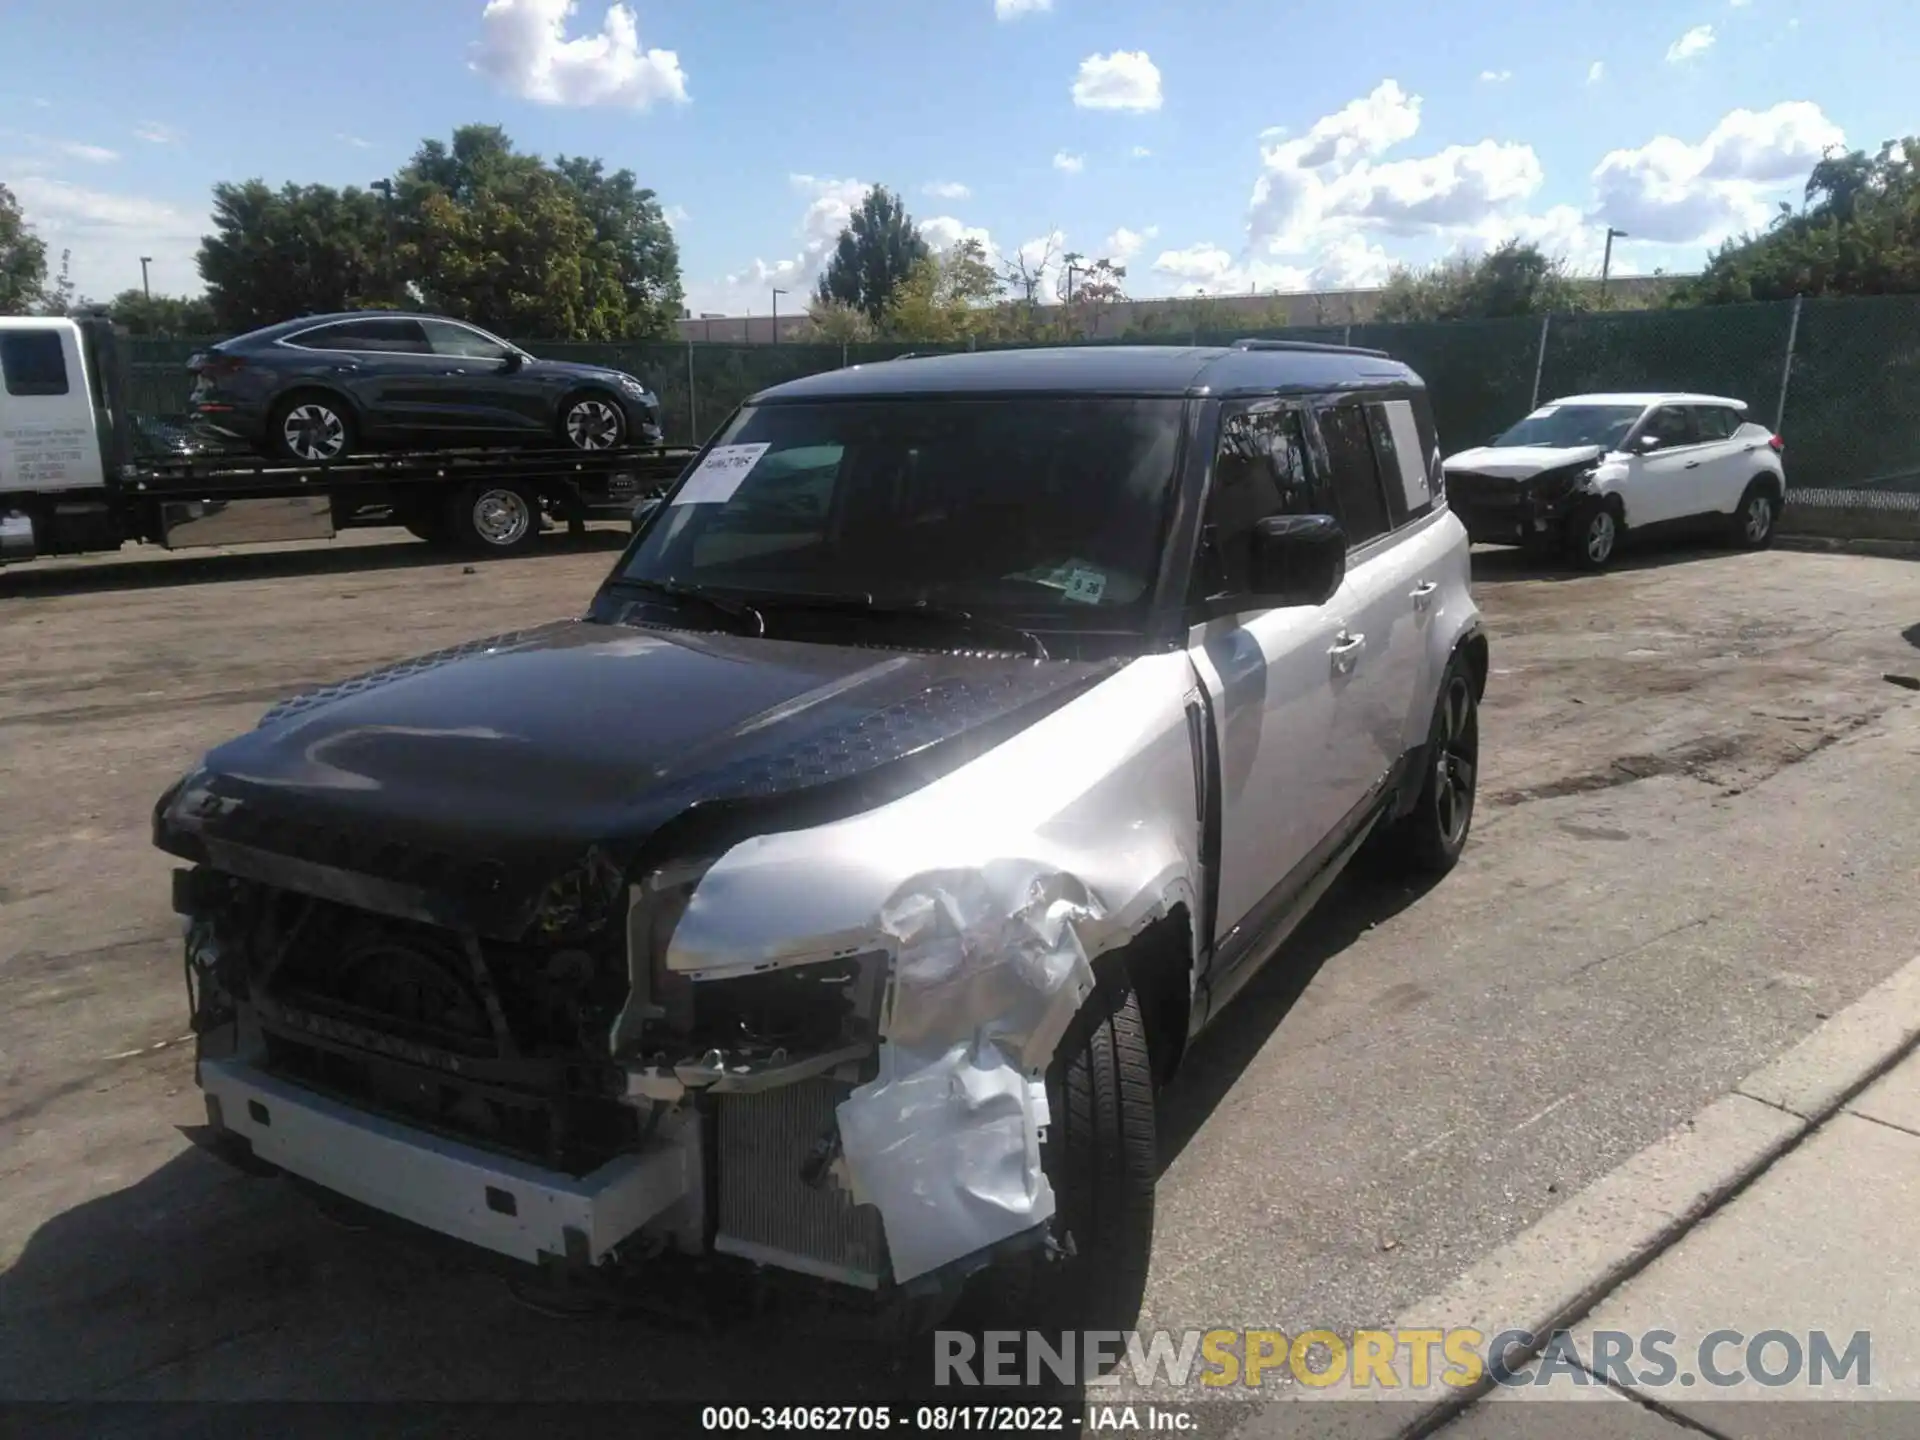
{"x":1753,"y":522}
{"x":310,"y":429}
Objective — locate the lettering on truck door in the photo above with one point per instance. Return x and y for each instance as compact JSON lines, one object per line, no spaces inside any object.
{"x":47,"y":435}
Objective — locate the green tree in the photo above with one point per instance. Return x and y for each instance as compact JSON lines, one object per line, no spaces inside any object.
{"x":1512,"y":279}
{"x":874,"y":256}
{"x":470,"y":228}
{"x":498,"y":238}
{"x":299,"y":250}
{"x":1857,"y":233}
{"x":163,"y":316}
{"x":946,"y":298}
{"x":23,"y":259}
{"x":831,"y":322}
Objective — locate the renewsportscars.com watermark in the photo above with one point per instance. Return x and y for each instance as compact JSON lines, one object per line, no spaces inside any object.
{"x":1399,"y":1359}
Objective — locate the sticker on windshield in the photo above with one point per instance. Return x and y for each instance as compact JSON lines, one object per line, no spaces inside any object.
{"x":1085,"y":586}
{"x":720,"y":474}
{"x":1543,"y":412}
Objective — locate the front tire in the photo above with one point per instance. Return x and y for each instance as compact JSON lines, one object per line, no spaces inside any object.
{"x":494,"y":519}
{"x":592,"y":422}
{"x":1100,"y":1156}
{"x":1593,"y":535}
{"x":310,"y":429}
{"x":1753,"y":522}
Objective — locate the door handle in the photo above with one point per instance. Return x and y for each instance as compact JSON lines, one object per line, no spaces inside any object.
{"x":1423,"y":594}
{"x":453,"y":372}
{"x":1345,"y":652}
{"x":1692,"y":465}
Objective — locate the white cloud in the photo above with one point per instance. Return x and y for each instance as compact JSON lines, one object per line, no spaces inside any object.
{"x":830,"y":204}
{"x":943,"y":232}
{"x":1014,"y":9}
{"x":1596,"y":72}
{"x":1738,"y":4}
{"x":1495,"y":77}
{"x":92,"y":154}
{"x":1696,"y":41}
{"x":107,"y":234}
{"x":1141,"y":152}
{"x":947,"y":190}
{"x":1072,"y":164}
{"x":676,"y":215}
{"x":1124,"y":80}
{"x":1346,"y":262}
{"x":1668,"y":191}
{"x":1124,"y":244}
{"x":524,"y":49}
{"x":354,"y":140}
{"x":154,"y":133}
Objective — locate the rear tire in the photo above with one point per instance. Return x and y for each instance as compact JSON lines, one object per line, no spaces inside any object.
{"x":1428,"y":839}
{"x":1753,"y":522}
{"x":1593,"y":535}
{"x":311,"y":428}
{"x":493,"y":519}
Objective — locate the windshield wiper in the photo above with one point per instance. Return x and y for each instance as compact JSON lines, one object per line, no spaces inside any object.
{"x":675,"y":590}
{"x":948,"y":615}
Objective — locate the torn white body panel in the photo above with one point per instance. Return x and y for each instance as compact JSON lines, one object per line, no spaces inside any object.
{"x":992,"y":890}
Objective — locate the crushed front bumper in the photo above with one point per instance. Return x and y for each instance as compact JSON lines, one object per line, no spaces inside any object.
{"x":494,"y":1201}
{"x":1500,"y":511}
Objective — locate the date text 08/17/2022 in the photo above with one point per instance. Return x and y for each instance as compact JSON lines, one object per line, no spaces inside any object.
{"x":943,"y":1419}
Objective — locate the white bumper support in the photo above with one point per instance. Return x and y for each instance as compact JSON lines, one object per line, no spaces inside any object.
{"x":490,"y":1200}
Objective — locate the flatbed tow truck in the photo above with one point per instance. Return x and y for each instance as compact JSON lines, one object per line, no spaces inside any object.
{"x":76,"y":477}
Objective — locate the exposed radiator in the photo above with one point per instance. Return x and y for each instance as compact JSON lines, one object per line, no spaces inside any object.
{"x":767,"y":1212}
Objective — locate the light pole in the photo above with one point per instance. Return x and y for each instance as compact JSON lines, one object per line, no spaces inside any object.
{"x":1606,"y":258}
{"x":145,"y":289}
{"x":777,"y":293}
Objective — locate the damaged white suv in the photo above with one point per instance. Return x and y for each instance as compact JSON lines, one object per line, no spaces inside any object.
{"x":954,"y":741}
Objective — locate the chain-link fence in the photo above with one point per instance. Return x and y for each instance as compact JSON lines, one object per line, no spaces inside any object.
{"x":1840,"y":379}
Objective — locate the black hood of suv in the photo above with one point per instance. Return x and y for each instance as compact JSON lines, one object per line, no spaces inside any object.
{"x":464,"y":786}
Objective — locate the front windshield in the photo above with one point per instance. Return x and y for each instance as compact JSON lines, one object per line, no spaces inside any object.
{"x":1565,"y":426}
{"x":1050,"y":509}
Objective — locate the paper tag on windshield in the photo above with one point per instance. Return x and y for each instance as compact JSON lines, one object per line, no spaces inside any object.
{"x":1085,"y":586}
{"x":1543,"y":412}
{"x":720,"y":474}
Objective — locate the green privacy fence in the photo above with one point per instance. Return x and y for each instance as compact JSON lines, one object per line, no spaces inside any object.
{"x":1847,"y":370}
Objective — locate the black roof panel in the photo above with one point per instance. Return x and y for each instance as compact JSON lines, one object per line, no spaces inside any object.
{"x":1097,"y":369}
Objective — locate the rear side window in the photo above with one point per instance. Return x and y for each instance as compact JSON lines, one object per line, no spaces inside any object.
{"x":1717,"y":422}
{"x":34,"y":362}
{"x":1402,"y":457}
{"x":1260,"y":468}
{"x":1358,"y":498}
{"x":404,"y":337}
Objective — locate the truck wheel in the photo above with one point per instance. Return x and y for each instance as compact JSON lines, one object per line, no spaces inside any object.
{"x":1753,"y":522}
{"x":492,"y":518}
{"x":1592,"y":535}
{"x":310,"y":429}
{"x":1428,"y":839}
{"x":592,"y":422}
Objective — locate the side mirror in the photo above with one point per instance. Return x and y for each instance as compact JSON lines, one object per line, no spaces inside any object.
{"x":1646,"y":443}
{"x":1297,"y":560}
{"x":643,"y":512}
{"x":513,"y":361}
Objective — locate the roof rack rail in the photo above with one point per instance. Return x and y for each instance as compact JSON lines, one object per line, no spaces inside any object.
{"x":1312,"y":346}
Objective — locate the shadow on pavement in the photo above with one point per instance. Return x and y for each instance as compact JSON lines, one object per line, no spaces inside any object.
{"x":1493,"y":562}
{"x":1360,"y":899}
{"x":342,"y":557}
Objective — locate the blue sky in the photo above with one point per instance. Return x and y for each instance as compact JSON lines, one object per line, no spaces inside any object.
{"x":1219,"y":146}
